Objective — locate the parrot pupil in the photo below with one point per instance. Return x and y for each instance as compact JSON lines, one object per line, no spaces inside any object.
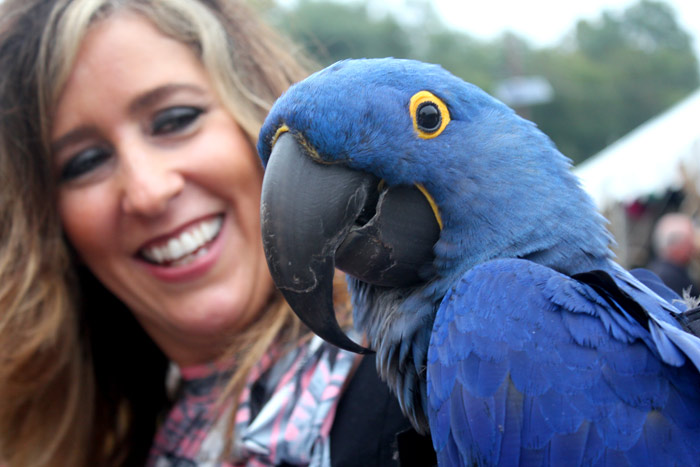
{"x":428,"y":117}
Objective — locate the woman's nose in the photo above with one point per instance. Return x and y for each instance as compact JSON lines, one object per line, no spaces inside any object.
{"x":149,"y":182}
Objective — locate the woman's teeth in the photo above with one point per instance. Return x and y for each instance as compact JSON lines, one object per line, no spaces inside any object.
{"x":187,"y":246}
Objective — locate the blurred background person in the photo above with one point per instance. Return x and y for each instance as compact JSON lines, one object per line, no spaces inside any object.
{"x":673,"y":241}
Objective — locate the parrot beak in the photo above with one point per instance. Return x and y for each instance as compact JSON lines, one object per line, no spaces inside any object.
{"x":316,"y":217}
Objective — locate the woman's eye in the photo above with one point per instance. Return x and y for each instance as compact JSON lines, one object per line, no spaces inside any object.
{"x":174,"y":119}
{"x":84,"y":162}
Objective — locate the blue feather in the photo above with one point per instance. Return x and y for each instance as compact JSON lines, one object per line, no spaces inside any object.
{"x":612,"y":391}
{"x":466,"y":413}
{"x":569,"y":449}
{"x":481,"y":377}
{"x":684,"y":342}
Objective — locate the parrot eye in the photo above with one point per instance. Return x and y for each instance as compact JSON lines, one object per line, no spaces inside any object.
{"x":430,"y":115}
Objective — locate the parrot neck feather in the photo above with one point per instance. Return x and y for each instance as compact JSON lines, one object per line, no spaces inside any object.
{"x":398,"y":329}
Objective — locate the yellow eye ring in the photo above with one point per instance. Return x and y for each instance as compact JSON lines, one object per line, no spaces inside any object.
{"x":429,"y":114}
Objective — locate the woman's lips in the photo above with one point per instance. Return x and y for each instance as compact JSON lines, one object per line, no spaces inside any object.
{"x":187,"y":261}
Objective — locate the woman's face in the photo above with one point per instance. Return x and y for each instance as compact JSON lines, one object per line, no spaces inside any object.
{"x":160,"y":189}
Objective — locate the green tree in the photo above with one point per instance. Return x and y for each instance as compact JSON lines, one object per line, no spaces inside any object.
{"x":623,"y":70}
{"x":332,"y":31}
{"x":475,"y":61}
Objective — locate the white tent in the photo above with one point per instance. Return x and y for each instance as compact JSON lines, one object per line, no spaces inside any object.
{"x":649,"y":160}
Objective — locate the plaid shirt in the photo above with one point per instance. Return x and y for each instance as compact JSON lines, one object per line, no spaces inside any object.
{"x":285,"y":413}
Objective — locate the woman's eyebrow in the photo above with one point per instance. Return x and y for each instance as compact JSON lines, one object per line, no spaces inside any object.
{"x":141,"y":102}
{"x":154,"y":96}
{"x":73,"y":136}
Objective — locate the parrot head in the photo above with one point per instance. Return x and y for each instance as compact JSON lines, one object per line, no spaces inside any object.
{"x":404,"y":176}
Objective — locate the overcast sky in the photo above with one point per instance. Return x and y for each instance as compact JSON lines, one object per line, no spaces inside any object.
{"x":544,"y":21}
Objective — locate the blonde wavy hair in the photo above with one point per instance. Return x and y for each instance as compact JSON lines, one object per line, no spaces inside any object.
{"x":80,"y":382}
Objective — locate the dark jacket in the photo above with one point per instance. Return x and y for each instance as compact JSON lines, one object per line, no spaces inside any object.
{"x":370,"y":430}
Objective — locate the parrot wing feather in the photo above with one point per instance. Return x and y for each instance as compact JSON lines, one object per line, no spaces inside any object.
{"x":527,"y":364}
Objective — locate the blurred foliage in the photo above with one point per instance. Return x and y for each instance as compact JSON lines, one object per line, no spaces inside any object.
{"x":619,"y":72}
{"x":332,"y":31}
{"x":609,"y":75}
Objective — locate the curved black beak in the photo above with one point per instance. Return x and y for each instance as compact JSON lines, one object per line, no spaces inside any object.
{"x":307,"y":208}
{"x":317,"y":216}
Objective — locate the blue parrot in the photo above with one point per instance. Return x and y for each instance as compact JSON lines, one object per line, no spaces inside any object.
{"x":480,"y":272}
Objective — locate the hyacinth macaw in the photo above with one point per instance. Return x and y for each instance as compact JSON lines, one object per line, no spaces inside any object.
{"x":479,"y":270}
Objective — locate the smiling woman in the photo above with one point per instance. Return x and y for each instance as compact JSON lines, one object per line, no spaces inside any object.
{"x":163,"y":171}
{"x":130,"y":247}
